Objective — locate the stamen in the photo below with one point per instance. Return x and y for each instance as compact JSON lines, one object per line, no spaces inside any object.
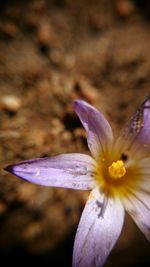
{"x":117,"y":169}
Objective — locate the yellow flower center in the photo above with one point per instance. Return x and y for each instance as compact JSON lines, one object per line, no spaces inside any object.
{"x":117,"y":169}
{"x":117,"y":176}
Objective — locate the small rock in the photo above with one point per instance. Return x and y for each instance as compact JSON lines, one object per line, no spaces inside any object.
{"x":31,"y":21}
{"x":9,"y":29}
{"x":10,"y":103}
{"x":85,"y":90}
{"x":45,"y":34}
{"x":124,"y":8}
{"x":3,"y":208}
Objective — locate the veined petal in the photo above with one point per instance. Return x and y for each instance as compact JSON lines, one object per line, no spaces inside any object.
{"x":138,"y":208}
{"x":145,"y":165}
{"x":144,"y":172}
{"x":99,"y":228}
{"x":67,"y":170}
{"x":99,"y":132}
{"x":136,"y":134}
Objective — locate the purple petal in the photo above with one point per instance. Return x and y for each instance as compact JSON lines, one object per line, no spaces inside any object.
{"x":99,"y":132}
{"x":138,"y":208}
{"x":144,"y":173}
{"x":67,"y":170}
{"x":99,"y":228}
{"x":138,"y":130}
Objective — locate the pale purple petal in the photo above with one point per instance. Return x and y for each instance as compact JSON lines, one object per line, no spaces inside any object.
{"x":144,"y":174}
{"x":138,"y":208}
{"x":99,"y":132}
{"x":99,"y":228}
{"x":67,"y":170}
{"x":137,"y":133}
{"x":144,"y":165}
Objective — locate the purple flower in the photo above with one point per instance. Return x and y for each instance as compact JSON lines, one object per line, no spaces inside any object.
{"x":118,"y":175}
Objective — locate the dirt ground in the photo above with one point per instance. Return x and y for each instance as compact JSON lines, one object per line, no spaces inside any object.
{"x":52,"y":52}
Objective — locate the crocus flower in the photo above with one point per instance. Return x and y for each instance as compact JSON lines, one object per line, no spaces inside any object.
{"x":118,"y":174}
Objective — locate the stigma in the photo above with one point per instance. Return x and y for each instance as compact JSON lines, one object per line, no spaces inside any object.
{"x":117,"y":169}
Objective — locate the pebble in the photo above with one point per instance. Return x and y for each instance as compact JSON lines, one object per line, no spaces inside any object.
{"x":45,"y":34}
{"x":9,"y":29}
{"x":124,"y":8}
{"x":85,"y":90}
{"x":10,"y":103}
{"x":3,"y":208}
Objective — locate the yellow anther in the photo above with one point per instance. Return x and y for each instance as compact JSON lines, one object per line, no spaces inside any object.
{"x":117,"y":169}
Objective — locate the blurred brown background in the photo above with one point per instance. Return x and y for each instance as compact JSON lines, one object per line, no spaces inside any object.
{"x":52,"y":52}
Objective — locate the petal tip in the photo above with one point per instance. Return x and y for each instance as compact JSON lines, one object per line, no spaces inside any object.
{"x":9,"y":168}
{"x":80,"y":106}
{"x":13,"y":169}
{"x":77,"y":102}
{"x":20,"y":169}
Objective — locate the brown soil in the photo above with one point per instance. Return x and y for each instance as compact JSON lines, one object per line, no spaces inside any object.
{"x":52,"y":52}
